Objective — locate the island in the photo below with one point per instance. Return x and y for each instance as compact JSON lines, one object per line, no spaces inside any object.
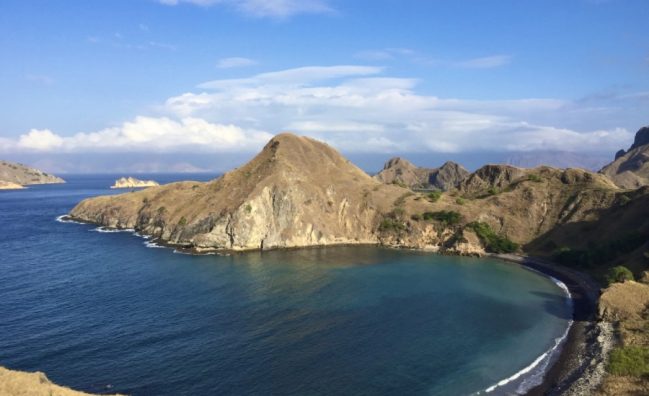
{"x":16,"y":176}
{"x":588,"y":229}
{"x":131,"y":182}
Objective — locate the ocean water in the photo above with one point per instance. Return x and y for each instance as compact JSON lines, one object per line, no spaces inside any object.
{"x":102,"y":312}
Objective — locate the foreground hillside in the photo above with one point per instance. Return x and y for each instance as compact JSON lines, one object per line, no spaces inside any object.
{"x":18,"y":383}
{"x":21,"y":175}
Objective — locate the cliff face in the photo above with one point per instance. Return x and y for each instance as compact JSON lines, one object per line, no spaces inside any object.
{"x":403,"y":172}
{"x":631,"y":168}
{"x":301,"y":192}
{"x":131,"y":182}
{"x":24,"y":175}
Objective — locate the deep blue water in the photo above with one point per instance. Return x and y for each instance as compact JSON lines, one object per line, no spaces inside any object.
{"x":101,"y":312}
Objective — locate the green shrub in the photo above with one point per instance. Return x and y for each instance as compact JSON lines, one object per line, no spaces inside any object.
{"x":415,"y":217}
{"x":601,"y":253}
{"x":161,"y":210}
{"x":445,"y":216}
{"x":493,"y":242}
{"x":630,"y":360}
{"x":460,"y":201}
{"x":534,"y":178}
{"x":182,"y":221}
{"x":390,"y":224}
{"x":434,"y":196}
{"x":619,"y":274}
{"x":248,"y":208}
{"x":492,"y":191}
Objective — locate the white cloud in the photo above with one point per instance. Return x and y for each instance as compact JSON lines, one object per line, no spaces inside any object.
{"x":295,"y":77}
{"x":410,"y":55}
{"x":355,"y":108}
{"x":229,"y":63}
{"x":264,"y":8}
{"x":40,"y":140}
{"x":486,"y":62}
{"x":146,"y":134}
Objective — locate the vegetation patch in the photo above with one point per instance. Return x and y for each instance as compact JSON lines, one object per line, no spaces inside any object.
{"x":448,"y":217}
{"x":619,"y":273}
{"x":534,"y":178}
{"x":493,"y":242}
{"x":460,"y":201}
{"x":601,"y":253}
{"x":434,"y":196}
{"x":182,"y":222}
{"x":630,"y":360}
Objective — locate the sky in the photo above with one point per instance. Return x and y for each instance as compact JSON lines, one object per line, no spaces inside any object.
{"x":189,"y":85}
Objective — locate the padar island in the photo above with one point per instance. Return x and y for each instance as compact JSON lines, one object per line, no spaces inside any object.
{"x":590,"y":229}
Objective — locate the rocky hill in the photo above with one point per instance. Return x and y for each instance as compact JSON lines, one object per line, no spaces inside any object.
{"x":630,"y":169}
{"x":296,"y":192}
{"x":24,"y":175}
{"x":403,"y":172}
{"x":301,"y":192}
{"x":131,"y":182}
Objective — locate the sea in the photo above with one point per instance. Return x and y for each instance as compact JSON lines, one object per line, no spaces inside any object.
{"x":113,"y":312}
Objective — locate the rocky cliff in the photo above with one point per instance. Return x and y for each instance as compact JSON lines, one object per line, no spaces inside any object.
{"x":403,"y":172}
{"x":24,"y":175}
{"x":131,"y":182}
{"x":630,"y":169}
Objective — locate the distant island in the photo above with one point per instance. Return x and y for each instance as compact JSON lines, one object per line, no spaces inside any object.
{"x":300,"y":192}
{"x":131,"y":182}
{"x":15,"y":176}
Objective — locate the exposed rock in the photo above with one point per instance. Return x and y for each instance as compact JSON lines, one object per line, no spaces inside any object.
{"x":131,"y":182}
{"x":5,"y":185}
{"x":631,"y":168}
{"x":24,"y":175}
{"x":19,"y":383}
{"x":624,"y":301}
{"x":403,"y":172}
{"x":641,"y":138}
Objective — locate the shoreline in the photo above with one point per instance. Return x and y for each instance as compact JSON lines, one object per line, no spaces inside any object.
{"x":579,"y":366}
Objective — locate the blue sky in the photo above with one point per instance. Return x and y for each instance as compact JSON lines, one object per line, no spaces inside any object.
{"x":222,"y":76}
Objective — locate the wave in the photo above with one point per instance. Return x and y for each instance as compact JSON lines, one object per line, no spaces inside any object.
{"x":540,"y":363}
{"x":137,"y":234}
{"x":66,"y":219}
{"x":153,"y":245}
{"x":112,"y":230}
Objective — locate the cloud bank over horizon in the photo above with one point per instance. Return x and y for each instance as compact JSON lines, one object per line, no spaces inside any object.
{"x":355,"y":108}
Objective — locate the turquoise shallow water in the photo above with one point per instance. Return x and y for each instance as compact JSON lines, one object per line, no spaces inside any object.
{"x":102,"y":312}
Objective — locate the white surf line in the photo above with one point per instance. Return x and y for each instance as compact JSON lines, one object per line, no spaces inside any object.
{"x":112,"y":230}
{"x":65,"y":219}
{"x":547,"y":355}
